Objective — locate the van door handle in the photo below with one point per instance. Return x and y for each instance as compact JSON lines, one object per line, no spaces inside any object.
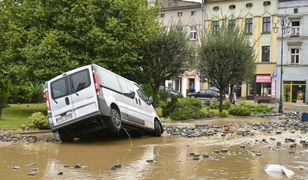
{"x":67,"y":101}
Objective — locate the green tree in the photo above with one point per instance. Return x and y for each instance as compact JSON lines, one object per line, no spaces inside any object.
{"x":40,"y":39}
{"x":165,"y":56}
{"x":5,"y":88}
{"x":226,"y":58}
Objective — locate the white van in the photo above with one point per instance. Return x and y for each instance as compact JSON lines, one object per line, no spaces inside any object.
{"x":92,"y":98}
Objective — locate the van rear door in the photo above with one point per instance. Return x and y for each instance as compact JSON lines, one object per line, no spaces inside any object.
{"x":61,"y":101}
{"x":84,"y":95}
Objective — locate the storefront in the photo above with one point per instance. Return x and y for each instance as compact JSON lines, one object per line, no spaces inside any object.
{"x":294,"y":91}
{"x":263,"y":85}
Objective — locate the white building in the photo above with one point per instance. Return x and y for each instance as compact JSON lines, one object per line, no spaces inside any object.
{"x":295,"y":51}
{"x":189,"y":16}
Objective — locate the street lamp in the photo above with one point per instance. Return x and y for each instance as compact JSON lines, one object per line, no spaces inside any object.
{"x":284,"y":21}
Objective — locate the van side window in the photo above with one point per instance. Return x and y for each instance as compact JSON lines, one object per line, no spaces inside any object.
{"x":141,"y":93}
{"x":109,"y":80}
{"x":59,"y":88}
{"x":124,"y":85}
{"x":80,"y":80}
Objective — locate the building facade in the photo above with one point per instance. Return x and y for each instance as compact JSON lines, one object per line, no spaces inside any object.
{"x":189,"y":17}
{"x":257,"y":19}
{"x":295,"y":51}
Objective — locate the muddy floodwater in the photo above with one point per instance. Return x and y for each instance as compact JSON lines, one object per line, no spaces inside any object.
{"x":167,"y":157}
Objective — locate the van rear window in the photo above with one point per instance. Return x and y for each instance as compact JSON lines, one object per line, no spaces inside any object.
{"x":59,"y":88}
{"x":80,"y":80}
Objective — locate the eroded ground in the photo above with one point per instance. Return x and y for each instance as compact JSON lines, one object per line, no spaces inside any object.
{"x":232,"y":156}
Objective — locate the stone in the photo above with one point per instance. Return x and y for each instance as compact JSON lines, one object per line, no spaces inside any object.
{"x":291,"y":152}
{"x":242,"y":146}
{"x":16,"y":167}
{"x":196,"y":158}
{"x":278,"y":143}
{"x":150,"y":160}
{"x":293,"y":145}
{"x":273,"y":139}
{"x":192,"y":154}
{"x":32,"y":173}
{"x":77,"y":166}
{"x":66,"y":166}
{"x":224,"y":150}
{"x":60,"y":173}
{"x":205,"y":156}
{"x":216,"y":151}
{"x":116,"y":166}
{"x":278,"y":132}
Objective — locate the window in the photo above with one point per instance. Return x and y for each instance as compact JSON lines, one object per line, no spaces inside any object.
{"x":231,"y":23}
{"x":215,"y":26}
{"x":162,"y":15}
{"x":265,"y":53}
{"x":80,"y":80}
{"x":141,"y":93}
{"x":60,"y":88}
{"x":193,"y":13}
{"x":180,"y":14}
{"x":266,"y":3}
{"x":193,"y":33}
{"x":294,"y":55}
{"x":126,"y":85}
{"x":232,"y":7}
{"x":249,"y":5}
{"x":295,"y":28}
{"x":109,"y":80}
{"x":248,"y":25}
{"x":295,"y":10}
{"x":266,"y":24}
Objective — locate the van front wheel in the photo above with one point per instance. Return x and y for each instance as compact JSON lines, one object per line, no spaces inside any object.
{"x":115,"y":123}
{"x":157,"y":130}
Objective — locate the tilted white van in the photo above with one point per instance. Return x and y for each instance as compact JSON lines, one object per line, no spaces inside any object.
{"x":92,"y":98}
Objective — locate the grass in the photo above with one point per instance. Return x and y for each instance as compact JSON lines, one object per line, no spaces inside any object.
{"x":16,"y":115}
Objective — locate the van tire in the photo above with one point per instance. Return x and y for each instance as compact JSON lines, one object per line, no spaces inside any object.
{"x":64,"y":136}
{"x":157,"y":129}
{"x":115,"y":122}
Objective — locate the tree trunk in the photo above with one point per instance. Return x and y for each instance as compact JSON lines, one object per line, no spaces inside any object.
{"x":231,"y":92}
{"x":155,"y":94}
{"x":1,"y":111}
{"x":220,"y":100}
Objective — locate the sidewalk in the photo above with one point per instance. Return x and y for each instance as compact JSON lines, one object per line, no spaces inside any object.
{"x":292,"y":107}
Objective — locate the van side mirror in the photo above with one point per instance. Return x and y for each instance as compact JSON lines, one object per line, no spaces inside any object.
{"x":130,"y":95}
{"x":150,"y":100}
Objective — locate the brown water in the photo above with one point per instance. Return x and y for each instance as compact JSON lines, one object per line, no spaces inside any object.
{"x":171,"y":155}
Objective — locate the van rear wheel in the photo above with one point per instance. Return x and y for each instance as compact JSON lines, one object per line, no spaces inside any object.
{"x":115,"y":123}
{"x":157,"y":129}
{"x":64,"y":136}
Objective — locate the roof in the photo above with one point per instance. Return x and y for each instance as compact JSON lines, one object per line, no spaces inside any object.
{"x":177,"y":4}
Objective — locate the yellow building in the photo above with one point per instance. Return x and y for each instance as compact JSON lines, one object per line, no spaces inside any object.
{"x":257,"y":18}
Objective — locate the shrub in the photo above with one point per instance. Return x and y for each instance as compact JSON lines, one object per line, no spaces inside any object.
{"x":214,"y":104}
{"x":246,"y":109}
{"x":183,"y":108}
{"x":239,"y":111}
{"x":39,"y":120}
{"x":163,"y":94}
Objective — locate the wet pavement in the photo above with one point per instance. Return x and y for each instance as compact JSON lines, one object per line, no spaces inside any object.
{"x":233,"y":156}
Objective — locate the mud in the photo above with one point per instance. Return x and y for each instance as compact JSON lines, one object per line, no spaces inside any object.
{"x":169,"y":157}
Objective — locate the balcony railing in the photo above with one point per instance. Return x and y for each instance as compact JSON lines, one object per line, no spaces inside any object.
{"x":295,"y":31}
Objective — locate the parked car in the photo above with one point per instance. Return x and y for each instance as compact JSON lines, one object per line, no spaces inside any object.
{"x":205,"y":93}
{"x":92,"y":98}
{"x":172,"y":93}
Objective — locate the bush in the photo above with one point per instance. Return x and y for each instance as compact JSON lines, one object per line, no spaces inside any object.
{"x":183,"y":108}
{"x":239,"y":111}
{"x":39,"y":120}
{"x":214,"y":104}
{"x":246,"y":109}
{"x":163,"y":94}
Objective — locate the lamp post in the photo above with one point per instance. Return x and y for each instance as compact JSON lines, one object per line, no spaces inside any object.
{"x":283,"y":22}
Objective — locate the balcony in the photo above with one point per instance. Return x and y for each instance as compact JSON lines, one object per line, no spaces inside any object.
{"x":295,"y":31}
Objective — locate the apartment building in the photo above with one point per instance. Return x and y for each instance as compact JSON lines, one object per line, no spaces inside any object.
{"x":294,"y":51}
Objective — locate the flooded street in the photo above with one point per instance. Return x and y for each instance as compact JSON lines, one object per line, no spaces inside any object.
{"x":167,"y":157}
